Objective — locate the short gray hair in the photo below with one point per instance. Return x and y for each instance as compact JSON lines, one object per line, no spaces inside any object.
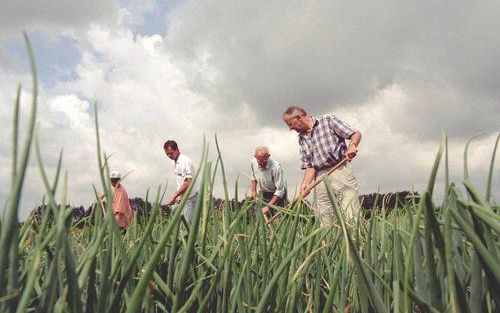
{"x":293,"y":109}
{"x":259,"y":148}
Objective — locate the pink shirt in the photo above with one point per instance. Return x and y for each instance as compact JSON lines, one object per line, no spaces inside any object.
{"x":121,"y":207}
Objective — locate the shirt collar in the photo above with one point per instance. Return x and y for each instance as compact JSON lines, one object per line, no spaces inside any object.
{"x":315,"y":123}
{"x":177,"y":161}
{"x":263,"y":168}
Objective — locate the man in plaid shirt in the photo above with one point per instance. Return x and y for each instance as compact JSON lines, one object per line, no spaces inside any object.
{"x":322,"y":146}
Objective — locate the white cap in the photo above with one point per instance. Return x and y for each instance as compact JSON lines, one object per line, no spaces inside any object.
{"x":115,"y":174}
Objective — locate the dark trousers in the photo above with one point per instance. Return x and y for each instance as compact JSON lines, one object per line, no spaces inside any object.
{"x":267,"y":196}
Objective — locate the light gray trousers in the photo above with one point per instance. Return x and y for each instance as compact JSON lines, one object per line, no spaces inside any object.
{"x":345,"y":186}
{"x":188,"y":209}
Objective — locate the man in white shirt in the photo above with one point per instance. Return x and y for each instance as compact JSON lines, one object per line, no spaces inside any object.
{"x":268,"y":174}
{"x":183,"y":170}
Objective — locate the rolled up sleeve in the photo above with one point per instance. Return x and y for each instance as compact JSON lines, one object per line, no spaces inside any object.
{"x":254,"y":177}
{"x":122,"y":209}
{"x":305,"y":158}
{"x":121,"y":220}
{"x":342,"y":129}
{"x":280,"y":183}
{"x":188,"y":173}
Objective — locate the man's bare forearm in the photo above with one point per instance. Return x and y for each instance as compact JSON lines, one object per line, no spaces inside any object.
{"x":355,"y":138}
{"x":253,"y":188}
{"x":274,"y":200}
{"x":352,"y":148}
{"x":182,"y":190}
{"x":309,"y":175}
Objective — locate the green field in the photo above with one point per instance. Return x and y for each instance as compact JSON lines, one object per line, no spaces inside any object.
{"x":423,"y":257}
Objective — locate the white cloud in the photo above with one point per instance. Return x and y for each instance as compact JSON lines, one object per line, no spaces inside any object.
{"x":142,"y":100}
{"x":390,"y":160}
{"x":134,"y":11}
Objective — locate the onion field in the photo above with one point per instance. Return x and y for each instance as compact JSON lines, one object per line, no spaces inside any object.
{"x":422,"y":256}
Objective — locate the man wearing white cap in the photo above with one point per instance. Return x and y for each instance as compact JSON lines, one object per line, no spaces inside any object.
{"x":121,"y":204}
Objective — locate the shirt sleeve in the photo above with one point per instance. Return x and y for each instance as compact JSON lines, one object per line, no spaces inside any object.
{"x":118,"y":201}
{"x":305,"y":158}
{"x":122,"y":208}
{"x":121,"y":220}
{"x":280,"y":182}
{"x":342,"y":129}
{"x":187,"y":171}
{"x":253,"y":171}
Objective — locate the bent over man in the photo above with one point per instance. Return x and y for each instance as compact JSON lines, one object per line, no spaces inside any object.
{"x":322,"y":143}
{"x":268,"y":175}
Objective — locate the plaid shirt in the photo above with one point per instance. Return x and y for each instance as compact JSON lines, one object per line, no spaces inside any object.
{"x":326,"y":146}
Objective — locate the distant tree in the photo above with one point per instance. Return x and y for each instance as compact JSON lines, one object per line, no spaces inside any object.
{"x":375,"y":202}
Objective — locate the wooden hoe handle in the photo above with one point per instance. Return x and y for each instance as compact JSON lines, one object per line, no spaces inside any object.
{"x":311,"y":187}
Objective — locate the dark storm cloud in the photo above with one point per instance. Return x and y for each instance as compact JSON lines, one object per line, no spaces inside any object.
{"x":33,"y":15}
{"x":324,"y":54}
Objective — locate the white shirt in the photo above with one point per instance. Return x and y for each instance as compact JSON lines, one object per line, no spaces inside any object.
{"x":270,"y":178}
{"x":183,"y":169}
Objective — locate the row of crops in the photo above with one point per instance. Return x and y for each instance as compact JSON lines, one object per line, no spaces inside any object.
{"x":424,"y":257}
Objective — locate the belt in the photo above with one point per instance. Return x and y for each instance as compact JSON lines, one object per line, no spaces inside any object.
{"x":326,"y":168}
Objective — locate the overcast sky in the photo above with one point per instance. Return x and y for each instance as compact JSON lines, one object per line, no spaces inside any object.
{"x":399,"y":72}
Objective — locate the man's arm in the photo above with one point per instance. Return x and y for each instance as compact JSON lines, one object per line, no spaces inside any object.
{"x":121,"y":220}
{"x":309,"y":175}
{"x":102,"y":202}
{"x":352,"y":148}
{"x":253,"y":182}
{"x":273,"y":201}
{"x":181,"y":191}
{"x":253,"y":189}
{"x":280,"y":186}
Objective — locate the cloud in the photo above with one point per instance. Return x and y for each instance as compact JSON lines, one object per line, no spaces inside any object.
{"x":326,"y":54}
{"x":142,"y":100}
{"x":134,"y":12}
{"x":232,"y":68}
{"x":390,"y":160}
{"x":54,"y":16}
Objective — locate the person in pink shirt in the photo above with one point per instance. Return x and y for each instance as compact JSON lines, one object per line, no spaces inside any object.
{"x":121,"y":204}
